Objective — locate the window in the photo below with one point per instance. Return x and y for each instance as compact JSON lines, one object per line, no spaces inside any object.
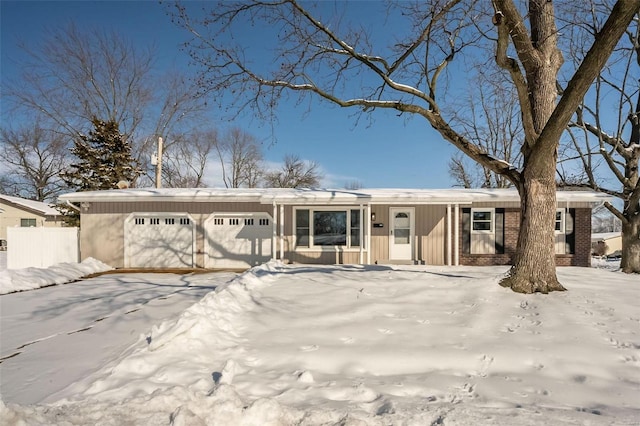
{"x":218,"y":221}
{"x":169,"y":221}
{"x":264,"y":222}
{"x":319,"y":228}
{"x":139,"y":220}
{"x":185,"y":221}
{"x":234,"y":221}
{"x":302,"y":228}
{"x":482,"y":221}
{"x":27,"y":223}
{"x":154,"y":221}
{"x":248,"y":222}
{"x":559,"y":226}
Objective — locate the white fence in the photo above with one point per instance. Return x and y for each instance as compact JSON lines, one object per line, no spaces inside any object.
{"x":41,"y":247}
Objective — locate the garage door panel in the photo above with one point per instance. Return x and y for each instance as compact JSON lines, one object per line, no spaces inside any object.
{"x":159,"y":242}
{"x":238,"y":240}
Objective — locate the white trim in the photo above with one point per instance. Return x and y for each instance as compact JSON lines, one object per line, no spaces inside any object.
{"x":491,"y":221}
{"x":274,"y":233}
{"x":563,"y":221}
{"x":330,"y":248}
{"x":449,"y":248}
{"x":132,"y":216}
{"x":412,"y":229}
{"x":456,"y":235}
{"x":361,"y":235}
{"x":281,"y":231}
{"x":369,"y":228}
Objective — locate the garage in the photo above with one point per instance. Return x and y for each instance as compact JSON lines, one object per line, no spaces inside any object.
{"x":159,"y":240}
{"x":238,"y":240}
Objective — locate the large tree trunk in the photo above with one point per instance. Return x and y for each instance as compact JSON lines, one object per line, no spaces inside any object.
{"x":534,"y":265}
{"x":630,"y":262}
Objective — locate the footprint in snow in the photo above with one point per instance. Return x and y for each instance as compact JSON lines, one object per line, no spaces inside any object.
{"x":347,"y":340}
{"x":385,"y":331}
{"x":309,"y":348}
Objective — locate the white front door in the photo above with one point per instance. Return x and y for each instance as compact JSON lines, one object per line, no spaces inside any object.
{"x":401,"y":233}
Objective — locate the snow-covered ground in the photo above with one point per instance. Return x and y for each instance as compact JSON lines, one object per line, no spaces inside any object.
{"x":45,"y":331}
{"x":354,"y":345}
{"x":12,"y":280}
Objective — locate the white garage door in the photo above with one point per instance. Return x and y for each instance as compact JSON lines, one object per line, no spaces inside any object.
{"x":238,"y":240}
{"x":159,"y":241}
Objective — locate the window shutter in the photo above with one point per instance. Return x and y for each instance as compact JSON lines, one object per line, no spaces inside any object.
{"x":466,"y":231}
{"x":569,"y":230}
{"x":499,"y":234}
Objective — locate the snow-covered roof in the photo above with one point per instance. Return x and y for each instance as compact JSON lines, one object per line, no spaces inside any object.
{"x":320,"y":196}
{"x":603,"y":236}
{"x":36,"y":206}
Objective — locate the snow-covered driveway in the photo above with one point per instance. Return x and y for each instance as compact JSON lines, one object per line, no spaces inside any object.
{"x":53,"y":336}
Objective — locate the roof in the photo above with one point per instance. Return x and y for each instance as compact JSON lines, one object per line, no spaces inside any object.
{"x":320,"y":196}
{"x":603,"y":236}
{"x":35,"y":206}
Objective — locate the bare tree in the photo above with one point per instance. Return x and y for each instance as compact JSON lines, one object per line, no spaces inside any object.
{"x":316,"y":56}
{"x":353,"y":185}
{"x":295,"y":173}
{"x":186,"y":160}
{"x":606,"y":143}
{"x":240,"y":158}
{"x":77,"y":74}
{"x":490,"y":117}
{"x":33,"y":158}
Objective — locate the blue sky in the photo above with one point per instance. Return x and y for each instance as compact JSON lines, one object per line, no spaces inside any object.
{"x":390,"y":152}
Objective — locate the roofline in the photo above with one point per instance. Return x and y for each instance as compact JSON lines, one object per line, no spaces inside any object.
{"x":323,"y":196}
{"x":28,"y":208}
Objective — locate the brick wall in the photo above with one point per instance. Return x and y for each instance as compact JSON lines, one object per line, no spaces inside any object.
{"x":582,"y":256}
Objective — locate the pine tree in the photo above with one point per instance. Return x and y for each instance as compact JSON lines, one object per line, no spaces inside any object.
{"x":105,"y":159}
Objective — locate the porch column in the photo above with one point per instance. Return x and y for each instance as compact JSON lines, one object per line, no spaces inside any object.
{"x":281,"y":231}
{"x":274,"y":232}
{"x":456,"y":235}
{"x":360,"y":235}
{"x":369,"y":228}
{"x":449,"y":249}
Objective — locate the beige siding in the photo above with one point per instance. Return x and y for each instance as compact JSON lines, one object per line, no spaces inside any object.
{"x":102,"y":237}
{"x":11,"y":216}
{"x":102,"y":226}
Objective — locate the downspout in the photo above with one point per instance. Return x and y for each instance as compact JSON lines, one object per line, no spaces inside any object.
{"x":73,"y":206}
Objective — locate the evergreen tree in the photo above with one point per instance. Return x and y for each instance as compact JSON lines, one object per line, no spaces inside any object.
{"x":104,"y":159}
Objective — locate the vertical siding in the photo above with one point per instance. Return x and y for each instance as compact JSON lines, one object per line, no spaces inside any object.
{"x":431,"y":232}
{"x":102,"y":237}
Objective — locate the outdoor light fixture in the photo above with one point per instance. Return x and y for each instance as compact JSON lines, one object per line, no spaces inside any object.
{"x":373,"y":216}
{"x":85,"y":206}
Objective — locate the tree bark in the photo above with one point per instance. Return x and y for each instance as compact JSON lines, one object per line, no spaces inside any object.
{"x":630,"y":262}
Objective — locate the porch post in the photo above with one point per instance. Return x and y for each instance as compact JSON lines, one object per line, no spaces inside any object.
{"x":456,"y":235}
{"x":281,"y":231}
{"x":449,"y":235}
{"x":369,"y":227}
{"x":274,"y":231}
{"x":360,"y":235}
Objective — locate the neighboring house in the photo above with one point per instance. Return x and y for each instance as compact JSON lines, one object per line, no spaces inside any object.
{"x":606,"y":243}
{"x":15,"y":211}
{"x":238,"y":228}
